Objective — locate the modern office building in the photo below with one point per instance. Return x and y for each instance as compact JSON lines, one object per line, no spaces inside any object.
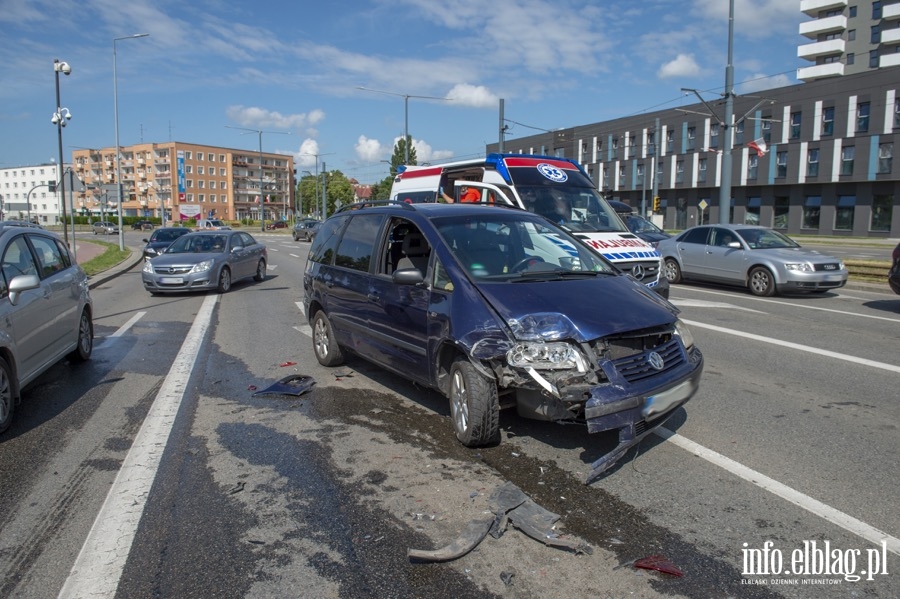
{"x":187,"y":181}
{"x":825,"y":164}
{"x":848,"y":36}
{"x":32,"y":193}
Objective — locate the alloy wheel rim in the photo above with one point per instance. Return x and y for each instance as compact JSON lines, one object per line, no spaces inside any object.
{"x":458,"y":405}
{"x":321,"y":339}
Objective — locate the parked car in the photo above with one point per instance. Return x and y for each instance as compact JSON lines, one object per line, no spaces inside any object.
{"x":305,"y":230}
{"x":278,"y":224}
{"x":141,"y":225}
{"x":761,"y":259}
{"x":894,"y":274}
{"x":487,"y":304}
{"x":205,"y":260}
{"x":19,"y":223}
{"x":104,"y":227}
{"x":644,"y":229}
{"x":161,"y":239}
{"x":211,"y":224}
{"x":46,"y":307}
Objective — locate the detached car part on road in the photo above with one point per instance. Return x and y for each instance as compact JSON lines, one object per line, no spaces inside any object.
{"x":894,"y":274}
{"x":205,"y":260}
{"x":496,"y":306}
{"x":46,"y":312}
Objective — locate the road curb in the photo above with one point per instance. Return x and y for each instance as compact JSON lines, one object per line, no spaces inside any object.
{"x":133,"y":259}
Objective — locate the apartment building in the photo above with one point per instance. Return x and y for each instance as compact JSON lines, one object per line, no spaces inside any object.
{"x":848,"y":37}
{"x":186,"y":181}
{"x":30,"y":193}
{"x":825,"y":165}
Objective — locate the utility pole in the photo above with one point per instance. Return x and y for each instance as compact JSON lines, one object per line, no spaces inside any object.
{"x":725,"y":189}
{"x":502,"y":128}
{"x":653,"y":159}
{"x":324,"y":195}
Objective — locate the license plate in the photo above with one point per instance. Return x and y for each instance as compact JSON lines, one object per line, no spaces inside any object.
{"x":171,"y":280}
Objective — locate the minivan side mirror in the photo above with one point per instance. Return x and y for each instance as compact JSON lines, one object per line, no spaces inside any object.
{"x":20,"y":284}
{"x":407,"y":276}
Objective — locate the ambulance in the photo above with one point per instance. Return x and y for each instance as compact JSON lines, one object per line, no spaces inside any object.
{"x":557,"y":188}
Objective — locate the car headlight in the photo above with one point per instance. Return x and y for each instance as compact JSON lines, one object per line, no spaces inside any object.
{"x":800,"y":267}
{"x":684,"y":332}
{"x":202,"y":266}
{"x":148,"y":268}
{"x":545,"y":356}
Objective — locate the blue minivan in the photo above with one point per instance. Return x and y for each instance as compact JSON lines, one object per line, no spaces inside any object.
{"x":494,"y":305}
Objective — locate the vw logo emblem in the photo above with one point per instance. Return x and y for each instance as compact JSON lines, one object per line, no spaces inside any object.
{"x":637,"y":271}
{"x":656,"y":361}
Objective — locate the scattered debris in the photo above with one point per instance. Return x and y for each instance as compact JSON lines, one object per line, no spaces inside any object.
{"x":251,"y":387}
{"x":507,"y":578}
{"x":509,"y":505}
{"x":658,"y":563}
{"x":288,"y":364}
{"x":342,"y":375}
{"x":295,"y":384}
{"x":236,"y":488}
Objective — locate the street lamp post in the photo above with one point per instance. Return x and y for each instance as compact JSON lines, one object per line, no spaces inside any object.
{"x":406,"y":98}
{"x":118,"y":153}
{"x":60,"y":117}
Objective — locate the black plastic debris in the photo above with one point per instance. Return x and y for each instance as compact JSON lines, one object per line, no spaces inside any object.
{"x":295,"y":384}
{"x":507,"y":578}
{"x":510,"y":505}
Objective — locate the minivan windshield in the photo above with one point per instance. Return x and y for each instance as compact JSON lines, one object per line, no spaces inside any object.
{"x":512,"y":246}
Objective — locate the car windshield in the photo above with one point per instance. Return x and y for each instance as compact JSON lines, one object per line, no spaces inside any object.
{"x":764,"y":239}
{"x":639,"y":224}
{"x":207,"y":244}
{"x":164,"y":235}
{"x":515,"y":246}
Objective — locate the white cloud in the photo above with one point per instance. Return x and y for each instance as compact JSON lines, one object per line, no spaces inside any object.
{"x":754,"y":18}
{"x":306,"y":156}
{"x":252,"y":116}
{"x":476,"y":96}
{"x":758,"y":82}
{"x":683,"y":65}
{"x":370,"y":150}
{"x":424,"y":151}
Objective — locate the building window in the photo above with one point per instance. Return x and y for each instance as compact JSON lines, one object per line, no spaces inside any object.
{"x":812,"y":162}
{"x":199,"y":170}
{"x":828,"y":121}
{"x":605,"y":176}
{"x":201,"y":183}
{"x":851,"y":58}
{"x":796,"y":119}
{"x":211,"y":157}
{"x":851,"y":35}
{"x":615,"y":143}
{"x":621,"y":174}
{"x":599,"y":145}
{"x":848,"y":153}
{"x":651,"y":144}
{"x":873,"y":59}
{"x":882,"y":212}
{"x":781,"y":164}
{"x":701,"y":170}
{"x":897,"y":110}
{"x":739,"y":133}
{"x":751,"y":217}
{"x":885,"y":158}
{"x":670,"y":141}
{"x":679,"y":171}
{"x":876,"y":10}
{"x":875,"y":38}
{"x":752,"y":165}
{"x":691,"y":138}
{"x":188,"y":168}
{"x":188,"y":154}
{"x":632,"y":145}
{"x":862,"y":117}
{"x":843,"y":214}
{"x":212,"y":184}
{"x":714,"y":135}
{"x":639,"y":175}
{"x":200,"y":156}
{"x":781,"y":212}
{"x":221,"y":157}
{"x":812,"y":209}
{"x":767,"y":129}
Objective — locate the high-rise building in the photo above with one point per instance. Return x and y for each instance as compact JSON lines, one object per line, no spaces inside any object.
{"x":31,"y":192}
{"x":186,"y":181}
{"x":849,"y":36}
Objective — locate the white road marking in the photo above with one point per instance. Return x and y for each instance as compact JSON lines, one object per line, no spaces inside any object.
{"x":797,"y":346}
{"x":121,"y":330}
{"x":705,"y":304}
{"x":806,"y":306}
{"x":293,"y":255}
{"x":845,"y":521}
{"x":305,"y":329}
{"x":273,"y":249}
{"x":102,"y":558}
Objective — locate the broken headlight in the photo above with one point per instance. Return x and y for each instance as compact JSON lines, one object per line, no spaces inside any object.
{"x":684,"y":332}
{"x":545,"y":356}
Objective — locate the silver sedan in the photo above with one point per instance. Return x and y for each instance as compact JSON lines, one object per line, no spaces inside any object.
{"x":763,"y":260}
{"x":205,"y":260}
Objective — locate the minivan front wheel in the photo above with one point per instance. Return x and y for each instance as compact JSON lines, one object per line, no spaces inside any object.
{"x":7,"y":404}
{"x":474,"y":405}
{"x":325,"y":346}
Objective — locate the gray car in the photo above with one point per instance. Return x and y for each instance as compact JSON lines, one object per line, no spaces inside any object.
{"x":46,"y":309}
{"x":104,"y":227}
{"x":205,"y":260}
{"x":763,"y":260}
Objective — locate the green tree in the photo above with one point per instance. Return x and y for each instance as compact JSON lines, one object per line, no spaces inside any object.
{"x":338,"y":190}
{"x":382,"y":189}
{"x":399,"y":156}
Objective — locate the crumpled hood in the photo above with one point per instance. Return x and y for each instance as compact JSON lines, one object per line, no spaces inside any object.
{"x":595,"y":306}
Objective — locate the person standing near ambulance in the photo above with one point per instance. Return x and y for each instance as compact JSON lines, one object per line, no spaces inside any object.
{"x":468,"y":194}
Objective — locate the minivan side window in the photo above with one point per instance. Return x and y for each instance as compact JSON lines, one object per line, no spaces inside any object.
{"x":322,"y":249}
{"x":48,"y":255}
{"x":17,"y":260}
{"x":358,"y":242}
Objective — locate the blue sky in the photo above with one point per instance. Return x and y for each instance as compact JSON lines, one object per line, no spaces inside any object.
{"x":293,"y":69}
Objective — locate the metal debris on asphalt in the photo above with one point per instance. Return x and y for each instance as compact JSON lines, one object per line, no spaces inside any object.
{"x":295,"y":384}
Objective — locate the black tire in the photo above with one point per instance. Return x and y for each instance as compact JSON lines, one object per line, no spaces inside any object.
{"x":260,"y":271}
{"x":474,"y":406}
{"x":672,"y":271}
{"x":325,"y":346}
{"x":7,"y":398}
{"x":224,"y":280}
{"x":761,"y":282}
{"x":295,"y":236}
{"x":82,"y":353}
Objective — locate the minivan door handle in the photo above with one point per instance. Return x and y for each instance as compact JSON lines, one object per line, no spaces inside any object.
{"x":373,"y":297}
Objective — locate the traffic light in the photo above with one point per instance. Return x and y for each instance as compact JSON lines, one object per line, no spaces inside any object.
{"x":52,"y":186}
{"x":656,"y":204}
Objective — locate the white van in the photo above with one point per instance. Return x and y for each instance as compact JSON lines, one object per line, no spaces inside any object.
{"x":557,"y":188}
{"x":211,"y":224}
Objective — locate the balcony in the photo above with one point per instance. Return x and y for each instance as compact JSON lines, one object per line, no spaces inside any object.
{"x":816,"y":49}
{"x":889,"y":60}
{"x":890,"y":37}
{"x":812,"y":29}
{"x":890,"y":12}
{"x":814,"y":7}
{"x":820,"y":71}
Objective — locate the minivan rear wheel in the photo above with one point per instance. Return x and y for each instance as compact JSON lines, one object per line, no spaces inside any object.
{"x":85,"y":338}
{"x":7,"y":402}
{"x":325,"y":346}
{"x":474,"y":405}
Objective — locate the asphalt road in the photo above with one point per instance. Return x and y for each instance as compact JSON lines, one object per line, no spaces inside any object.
{"x":791,"y":440}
